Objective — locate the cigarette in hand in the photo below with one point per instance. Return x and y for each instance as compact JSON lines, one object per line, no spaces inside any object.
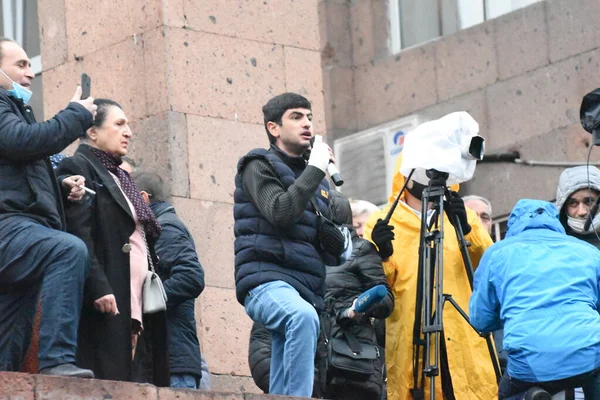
{"x":90,"y":191}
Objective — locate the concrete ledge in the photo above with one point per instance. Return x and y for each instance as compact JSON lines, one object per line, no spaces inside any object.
{"x":21,"y":386}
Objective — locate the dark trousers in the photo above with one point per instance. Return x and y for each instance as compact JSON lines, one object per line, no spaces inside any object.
{"x":34,"y":259}
{"x":589,"y":381}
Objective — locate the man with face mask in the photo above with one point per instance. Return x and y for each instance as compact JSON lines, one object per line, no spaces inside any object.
{"x":36,"y":255}
{"x":578,"y":189}
{"x":575,"y":196}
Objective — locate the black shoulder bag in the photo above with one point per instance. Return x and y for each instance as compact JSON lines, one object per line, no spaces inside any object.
{"x":348,"y":358}
{"x":330,"y":237}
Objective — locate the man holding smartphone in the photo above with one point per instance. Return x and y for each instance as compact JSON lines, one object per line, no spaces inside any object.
{"x":36,"y":255}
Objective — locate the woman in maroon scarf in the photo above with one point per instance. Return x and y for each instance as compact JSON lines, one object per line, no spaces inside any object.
{"x":120,"y":231}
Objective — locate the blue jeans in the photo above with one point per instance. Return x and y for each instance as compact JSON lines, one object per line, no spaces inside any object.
{"x":184,"y":381}
{"x":205,"y":381}
{"x":294,"y":327}
{"x":34,"y":259}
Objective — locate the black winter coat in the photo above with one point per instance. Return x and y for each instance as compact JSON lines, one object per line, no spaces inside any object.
{"x":28,"y":185}
{"x":345,"y":283}
{"x":183,"y":280}
{"x":259,"y":356}
{"x":105,"y":223}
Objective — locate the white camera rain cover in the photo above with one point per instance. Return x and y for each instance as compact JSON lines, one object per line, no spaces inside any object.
{"x":442,"y":145}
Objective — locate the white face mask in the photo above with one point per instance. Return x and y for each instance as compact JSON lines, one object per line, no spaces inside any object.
{"x":577,"y":224}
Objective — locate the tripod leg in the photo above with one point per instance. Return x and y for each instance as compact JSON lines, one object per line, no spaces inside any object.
{"x":421,"y":319}
{"x":494,"y":356}
{"x":469,"y":270}
{"x":488,"y":337}
{"x":447,"y":388}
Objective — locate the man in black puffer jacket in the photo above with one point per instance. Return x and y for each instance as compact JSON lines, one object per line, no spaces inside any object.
{"x":183,"y":279}
{"x":361,"y":271}
{"x":279,"y":271}
{"x":36,"y":255}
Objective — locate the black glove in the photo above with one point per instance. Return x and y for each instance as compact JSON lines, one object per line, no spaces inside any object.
{"x":455,"y":207}
{"x":382,"y":236}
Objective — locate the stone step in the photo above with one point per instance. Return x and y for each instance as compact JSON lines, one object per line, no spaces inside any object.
{"x":15,"y":385}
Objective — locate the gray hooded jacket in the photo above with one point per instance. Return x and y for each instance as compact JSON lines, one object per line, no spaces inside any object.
{"x":570,"y":181}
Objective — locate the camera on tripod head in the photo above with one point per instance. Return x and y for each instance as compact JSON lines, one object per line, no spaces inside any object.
{"x":449,"y":145}
{"x":589,"y":114}
{"x":439,"y":153}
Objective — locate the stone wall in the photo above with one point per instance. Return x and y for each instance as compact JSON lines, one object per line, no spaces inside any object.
{"x":522,"y":76}
{"x":15,"y":386}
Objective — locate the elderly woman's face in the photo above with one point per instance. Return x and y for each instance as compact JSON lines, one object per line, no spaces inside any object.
{"x":114,"y":133}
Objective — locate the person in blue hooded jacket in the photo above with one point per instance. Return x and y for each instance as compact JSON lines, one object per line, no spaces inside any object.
{"x":542,"y":286}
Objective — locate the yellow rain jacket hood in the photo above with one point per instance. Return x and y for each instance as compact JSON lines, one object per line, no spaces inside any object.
{"x":471,"y":368}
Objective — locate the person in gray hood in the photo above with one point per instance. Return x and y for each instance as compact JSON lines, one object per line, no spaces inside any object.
{"x":578,"y":189}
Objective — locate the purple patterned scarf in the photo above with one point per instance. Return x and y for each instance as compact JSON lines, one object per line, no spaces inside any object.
{"x":144,"y":213}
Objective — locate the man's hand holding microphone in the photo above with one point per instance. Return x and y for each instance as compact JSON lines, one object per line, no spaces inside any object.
{"x":324,"y":152}
{"x":322,"y":157}
{"x":320,"y":154}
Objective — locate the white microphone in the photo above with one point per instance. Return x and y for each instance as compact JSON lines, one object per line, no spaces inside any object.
{"x":332,"y":170}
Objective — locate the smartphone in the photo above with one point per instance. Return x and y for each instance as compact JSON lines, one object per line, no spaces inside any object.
{"x":86,"y":85}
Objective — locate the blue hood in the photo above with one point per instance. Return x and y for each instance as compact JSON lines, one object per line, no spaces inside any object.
{"x":533,"y":214}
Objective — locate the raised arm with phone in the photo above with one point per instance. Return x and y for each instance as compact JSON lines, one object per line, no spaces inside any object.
{"x":86,"y":86}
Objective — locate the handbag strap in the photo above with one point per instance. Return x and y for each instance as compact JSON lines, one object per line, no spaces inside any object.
{"x":150,"y":263}
{"x":313,"y":201}
{"x":353,"y":342}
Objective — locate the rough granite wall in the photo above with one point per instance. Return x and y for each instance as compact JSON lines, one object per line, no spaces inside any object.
{"x":522,"y":76}
{"x":192,"y":76}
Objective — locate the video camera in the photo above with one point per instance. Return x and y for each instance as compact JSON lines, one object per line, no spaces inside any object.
{"x":450,"y":144}
{"x":589,"y":114}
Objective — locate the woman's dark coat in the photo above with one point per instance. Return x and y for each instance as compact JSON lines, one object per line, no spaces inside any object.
{"x":104,"y":222}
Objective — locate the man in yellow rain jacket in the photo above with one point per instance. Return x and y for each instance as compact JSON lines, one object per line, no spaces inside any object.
{"x":470,"y":364}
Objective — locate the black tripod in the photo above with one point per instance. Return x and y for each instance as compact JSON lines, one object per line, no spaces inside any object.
{"x":428,"y":330}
